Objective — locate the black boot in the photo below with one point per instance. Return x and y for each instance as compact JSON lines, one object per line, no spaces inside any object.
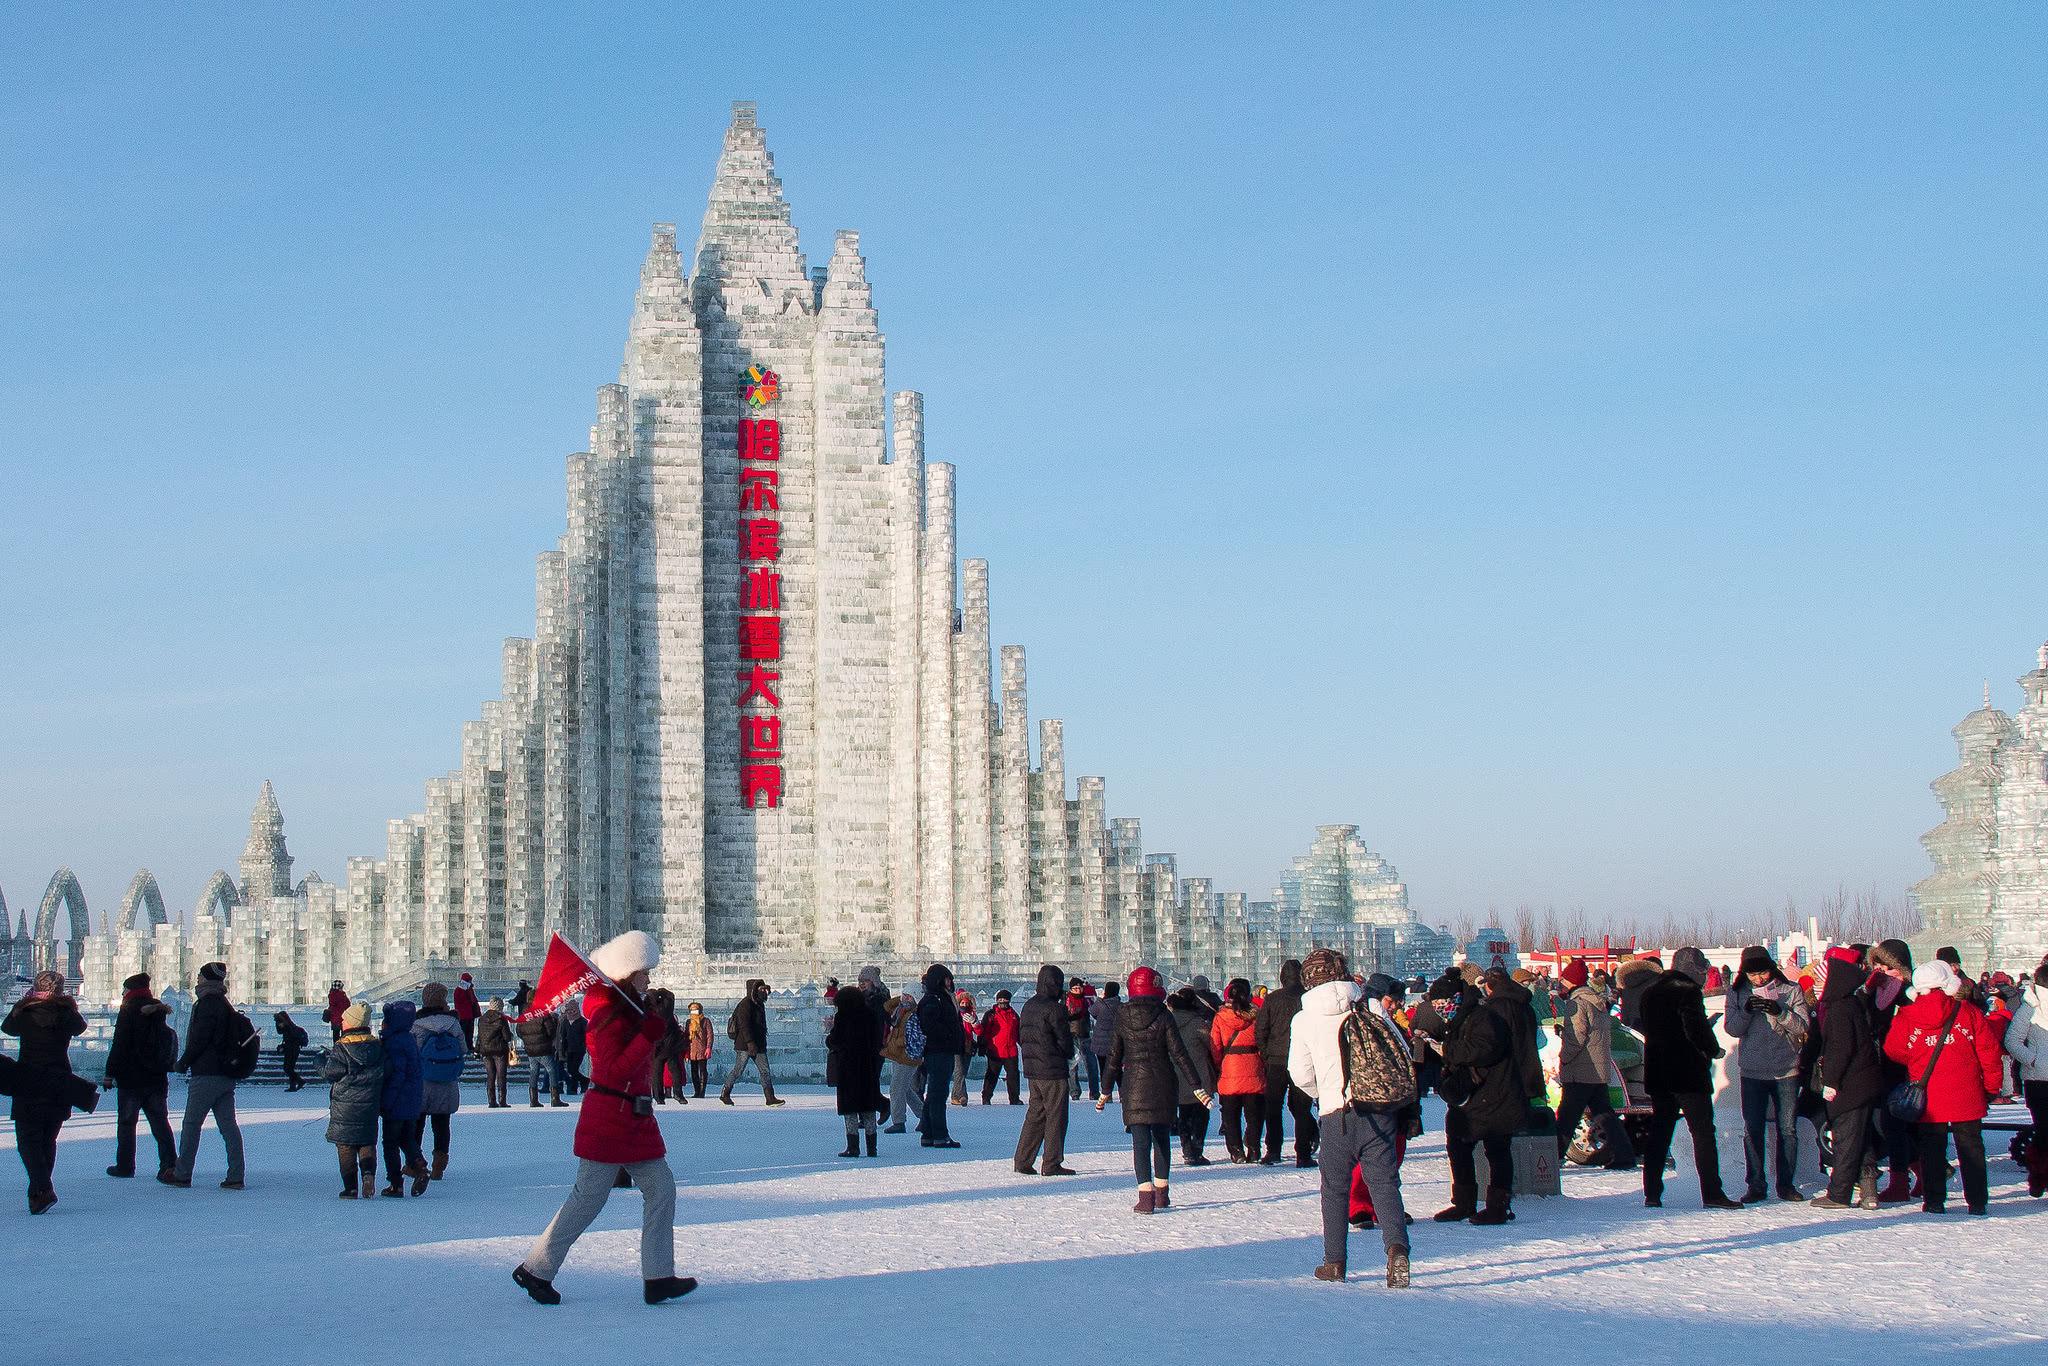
{"x":542,"y":1292}
{"x":852,"y":1145}
{"x":1497,"y":1210}
{"x":667,"y":1288}
{"x":872,"y":1150}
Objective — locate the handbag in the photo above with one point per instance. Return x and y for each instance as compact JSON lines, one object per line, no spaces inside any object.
{"x":1908,"y":1099}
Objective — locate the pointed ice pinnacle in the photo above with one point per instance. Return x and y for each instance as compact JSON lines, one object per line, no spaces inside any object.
{"x":2043,"y":656}
{"x":267,"y":816}
{"x":1987,"y":694}
{"x":747,"y":243}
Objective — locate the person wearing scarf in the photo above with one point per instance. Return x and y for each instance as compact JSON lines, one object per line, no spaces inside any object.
{"x":46,"y":1020}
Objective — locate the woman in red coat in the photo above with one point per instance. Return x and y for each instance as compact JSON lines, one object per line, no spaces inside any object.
{"x":1959,"y":1083}
{"x":616,"y":1133}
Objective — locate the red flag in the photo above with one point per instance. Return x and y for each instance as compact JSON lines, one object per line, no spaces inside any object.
{"x":565,"y":973}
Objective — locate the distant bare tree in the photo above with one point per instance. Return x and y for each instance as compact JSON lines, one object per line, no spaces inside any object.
{"x":1525,"y":929}
{"x":1463,"y":930}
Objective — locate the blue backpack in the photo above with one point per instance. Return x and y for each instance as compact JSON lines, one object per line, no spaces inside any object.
{"x":441,"y":1056}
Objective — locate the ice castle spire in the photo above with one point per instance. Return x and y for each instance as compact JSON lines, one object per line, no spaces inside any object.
{"x":266,"y":865}
{"x":747,"y":247}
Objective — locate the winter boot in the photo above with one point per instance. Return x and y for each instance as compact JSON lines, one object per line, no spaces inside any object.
{"x":2037,"y":1166}
{"x":542,"y":1292}
{"x":1497,"y":1210}
{"x":1461,"y":1208}
{"x":873,"y":1151}
{"x":1330,"y":1271}
{"x":1145,"y":1201}
{"x":1866,"y":1188}
{"x":348,"y":1170}
{"x":1159,"y":1200}
{"x":395,"y":1189}
{"x":40,"y":1201}
{"x":667,"y":1288}
{"x":1897,"y":1191}
{"x":1397,"y":1269}
{"x":725,"y":1097}
{"x":440,"y":1167}
{"x":366,"y":1169}
{"x":852,"y":1144}
{"x":771,"y":1101}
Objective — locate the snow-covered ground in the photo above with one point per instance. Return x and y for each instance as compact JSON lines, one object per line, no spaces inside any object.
{"x":955,"y":1258}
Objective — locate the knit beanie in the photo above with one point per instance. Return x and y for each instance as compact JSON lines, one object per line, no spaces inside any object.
{"x":1573,"y":974}
{"x":214,"y":972}
{"x":434,"y":996}
{"x":1322,"y":965}
{"x":357,"y":1016}
{"x":139,"y":982}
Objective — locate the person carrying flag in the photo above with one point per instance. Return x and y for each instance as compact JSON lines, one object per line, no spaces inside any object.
{"x":616,"y":1133}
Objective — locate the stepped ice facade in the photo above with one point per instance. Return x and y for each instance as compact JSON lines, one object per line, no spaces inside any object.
{"x":759,"y":717}
{"x":1988,"y":895}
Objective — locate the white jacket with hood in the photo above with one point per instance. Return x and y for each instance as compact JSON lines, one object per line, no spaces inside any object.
{"x":2026,"y":1038}
{"x":1315,"y":1059}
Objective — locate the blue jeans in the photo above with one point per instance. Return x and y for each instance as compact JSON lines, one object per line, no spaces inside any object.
{"x":938,"y":1084}
{"x":1760,"y":1097}
{"x":1085,"y":1060}
{"x":536,"y":1068}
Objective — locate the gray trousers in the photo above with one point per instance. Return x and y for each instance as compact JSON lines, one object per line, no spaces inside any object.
{"x":593,"y":1187}
{"x":1366,"y":1142}
{"x":210,"y":1096}
{"x":739,"y":1065}
{"x":904,"y":1093}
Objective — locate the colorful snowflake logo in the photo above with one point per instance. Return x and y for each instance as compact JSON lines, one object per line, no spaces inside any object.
{"x":763,"y":386}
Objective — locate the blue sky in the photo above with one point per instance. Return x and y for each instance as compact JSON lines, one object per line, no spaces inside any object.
{"x":1595,"y":449}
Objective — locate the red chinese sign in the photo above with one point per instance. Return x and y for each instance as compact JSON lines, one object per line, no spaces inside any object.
{"x":759,"y":628}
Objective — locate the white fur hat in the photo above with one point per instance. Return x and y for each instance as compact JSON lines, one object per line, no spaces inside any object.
{"x":620,"y":958}
{"x":1935,"y":975}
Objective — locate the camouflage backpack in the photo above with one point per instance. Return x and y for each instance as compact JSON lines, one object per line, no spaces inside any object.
{"x":1379,"y":1074}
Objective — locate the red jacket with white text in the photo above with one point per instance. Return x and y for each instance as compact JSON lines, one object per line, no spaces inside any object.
{"x":1970,"y":1066}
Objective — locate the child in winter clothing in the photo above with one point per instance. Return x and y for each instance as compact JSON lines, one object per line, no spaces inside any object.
{"x":355,"y":1073}
{"x":1240,"y":1075}
{"x":401,"y":1100}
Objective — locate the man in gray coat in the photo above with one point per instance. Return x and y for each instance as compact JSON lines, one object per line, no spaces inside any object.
{"x":1767,"y":1016}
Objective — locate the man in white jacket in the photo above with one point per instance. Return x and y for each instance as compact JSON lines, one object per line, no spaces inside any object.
{"x":1351,"y":1135}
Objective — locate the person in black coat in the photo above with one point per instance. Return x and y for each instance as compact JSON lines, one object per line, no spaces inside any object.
{"x":1679,"y":1049}
{"x":1045,"y":1049}
{"x":1512,"y":1002}
{"x":1148,"y":1061}
{"x":1852,"y":1083}
{"x":945,"y":1047}
{"x":46,"y":1020}
{"x":138,"y":1066}
{"x":855,"y":1045}
{"x":1272,"y":1032}
{"x":571,"y":1048}
{"x":291,"y":1041}
{"x":1890,"y":965}
{"x":1485,"y":1094}
{"x":748,"y":1030}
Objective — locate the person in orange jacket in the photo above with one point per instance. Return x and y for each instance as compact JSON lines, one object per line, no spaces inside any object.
{"x":1240,"y":1076}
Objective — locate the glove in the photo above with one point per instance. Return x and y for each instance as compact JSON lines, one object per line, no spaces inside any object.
{"x":1766,"y":1005}
{"x":1827,"y":1093}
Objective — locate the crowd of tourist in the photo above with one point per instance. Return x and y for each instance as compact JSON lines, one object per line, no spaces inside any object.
{"x":1895,"y":1064}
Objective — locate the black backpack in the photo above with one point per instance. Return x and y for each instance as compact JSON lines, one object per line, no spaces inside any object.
{"x":240,"y":1049}
{"x":163,"y":1047}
